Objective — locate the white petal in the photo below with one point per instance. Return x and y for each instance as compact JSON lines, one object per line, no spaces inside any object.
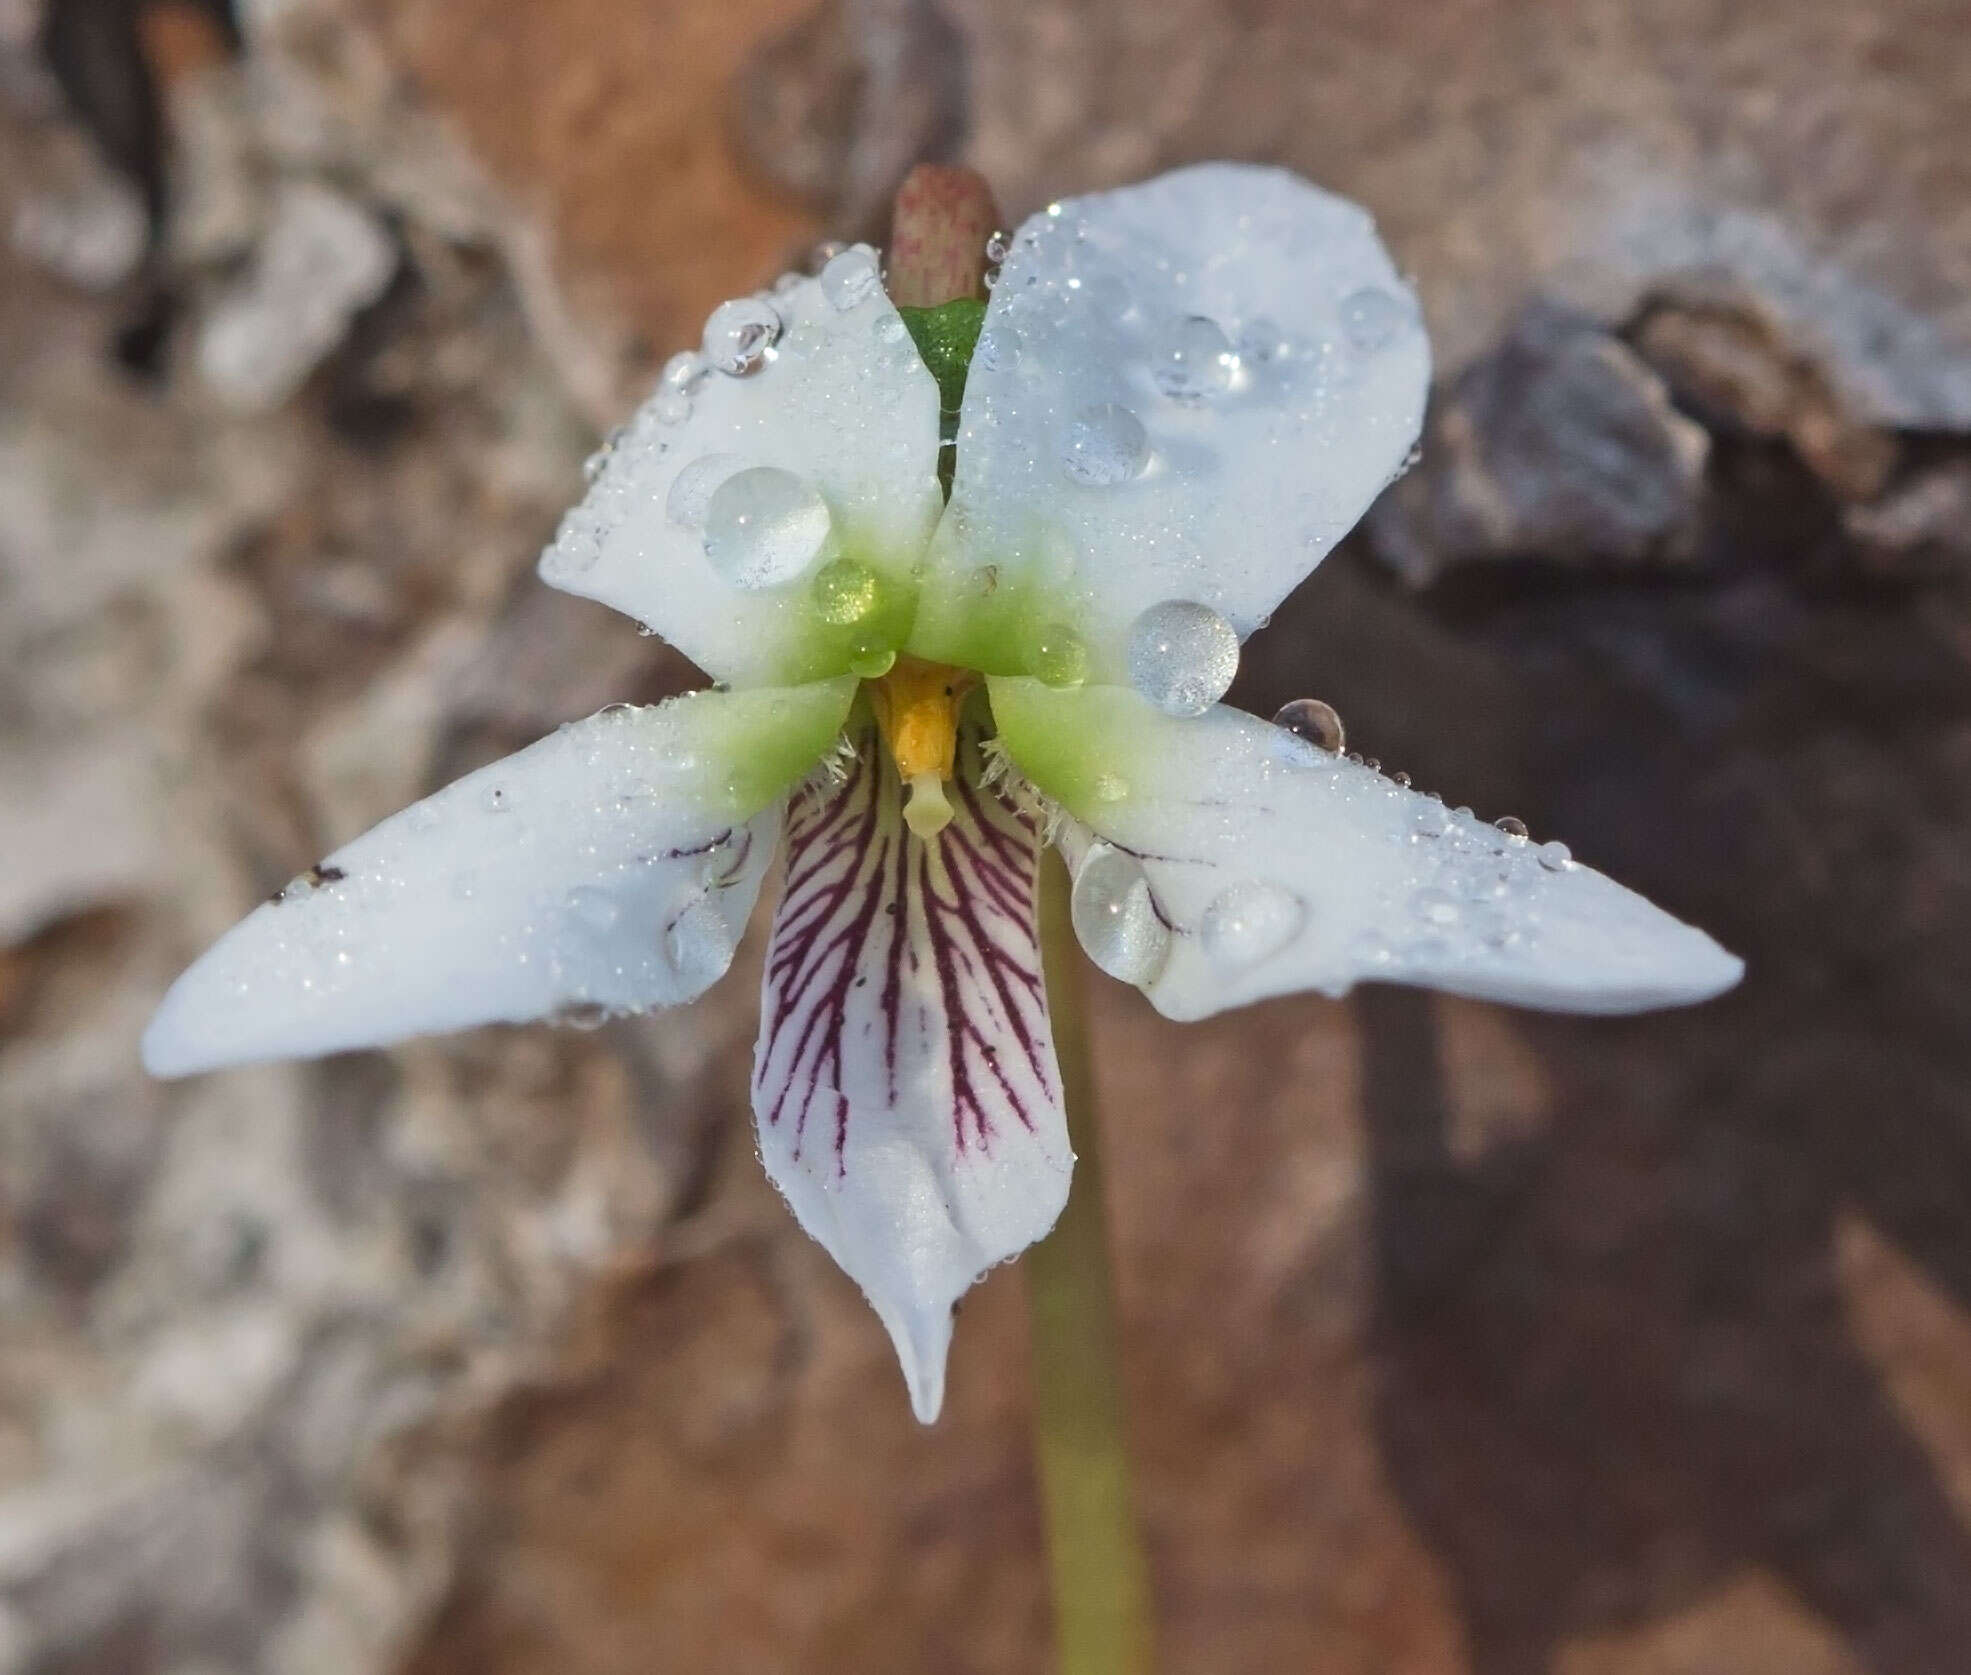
{"x":840,"y":402}
{"x":1267,"y":865}
{"x":908,"y":1100}
{"x":608,"y":868}
{"x":1111,"y":458}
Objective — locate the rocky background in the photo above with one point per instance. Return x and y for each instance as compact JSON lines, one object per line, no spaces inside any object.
{"x":1459,"y":1340}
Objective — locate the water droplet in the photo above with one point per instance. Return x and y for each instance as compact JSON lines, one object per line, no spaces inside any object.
{"x":1512,"y":826}
{"x":1370,"y":948}
{"x":698,"y":943}
{"x":845,"y":591}
{"x":583,"y":1015}
{"x":1116,"y":917}
{"x":1249,"y":922}
{"x":1401,"y":778}
{"x":1373,"y":764}
{"x":739,"y":333}
{"x":683,"y":371}
{"x":1555,"y":856}
{"x":494,"y":799}
{"x":1193,"y":359}
{"x":1261,"y":340}
{"x":1104,"y":446}
{"x":1371,"y":316}
{"x":764,"y":526}
{"x":1060,"y":657}
{"x":849,"y":278}
{"x":1314,"y":721}
{"x":1433,"y":819}
{"x":888,"y":327}
{"x":1182,"y":656}
{"x":997,"y":247}
{"x":871,"y":659}
{"x":597,"y":909}
{"x":990,"y":278}
{"x":1435,"y":906}
{"x":693,"y":487}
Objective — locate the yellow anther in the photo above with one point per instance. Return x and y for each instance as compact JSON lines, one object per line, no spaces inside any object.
{"x":916,"y":706}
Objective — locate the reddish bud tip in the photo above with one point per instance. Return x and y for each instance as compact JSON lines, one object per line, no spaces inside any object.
{"x":938,"y":234}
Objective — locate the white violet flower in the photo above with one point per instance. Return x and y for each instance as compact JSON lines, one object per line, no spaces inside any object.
{"x":1183,"y":395}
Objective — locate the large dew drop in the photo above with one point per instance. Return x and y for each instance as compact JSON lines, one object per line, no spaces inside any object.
{"x":1116,"y":917}
{"x":1104,"y":446}
{"x":1182,"y":656}
{"x":764,"y":526}
{"x":1193,"y":359}
{"x":698,"y":943}
{"x":693,"y":487}
{"x":848,"y":278}
{"x":1249,"y":922}
{"x":1371,"y":317}
{"x":739,"y":333}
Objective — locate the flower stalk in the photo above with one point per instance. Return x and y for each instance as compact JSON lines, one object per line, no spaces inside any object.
{"x":1101,"y":1578}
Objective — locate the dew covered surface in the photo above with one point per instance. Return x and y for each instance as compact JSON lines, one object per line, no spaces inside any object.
{"x":1460,"y":1340}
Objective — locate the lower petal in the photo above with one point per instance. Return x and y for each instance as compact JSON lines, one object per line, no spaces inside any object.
{"x":908,"y":1100}
{"x":1222,"y":859}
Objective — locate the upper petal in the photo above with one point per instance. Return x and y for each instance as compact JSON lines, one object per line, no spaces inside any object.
{"x":611,"y":866}
{"x":832,"y":396}
{"x":1185,"y":390}
{"x":1224,"y":859}
{"x":908,"y":1100}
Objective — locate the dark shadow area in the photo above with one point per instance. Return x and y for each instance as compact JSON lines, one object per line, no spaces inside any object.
{"x":1614,"y":1367}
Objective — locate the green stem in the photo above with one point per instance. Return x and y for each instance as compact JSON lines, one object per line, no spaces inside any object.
{"x":1102,"y":1620}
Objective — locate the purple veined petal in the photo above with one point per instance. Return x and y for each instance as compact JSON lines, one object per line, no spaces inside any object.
{"x":610,"y":867}
{"x":1221,"y":859}
{"x":905,"y":1087}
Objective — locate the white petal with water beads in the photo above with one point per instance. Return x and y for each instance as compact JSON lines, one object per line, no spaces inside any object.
{"x":609,"y":868}
{"x":805,"y":430}
{"x":1233,"y":859}
{"x":1185,"y":391}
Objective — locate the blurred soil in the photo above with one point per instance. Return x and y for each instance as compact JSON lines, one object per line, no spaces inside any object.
{"x":1459,"y":1340}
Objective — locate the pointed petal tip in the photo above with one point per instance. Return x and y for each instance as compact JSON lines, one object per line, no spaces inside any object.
{"x":169,"y":1047}
{"x":921,"y":1334}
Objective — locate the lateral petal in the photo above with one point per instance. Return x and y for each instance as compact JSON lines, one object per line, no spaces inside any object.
{"x":608,"y":868}
{"x":1222,"y":859}
{"x":905,"y":1086}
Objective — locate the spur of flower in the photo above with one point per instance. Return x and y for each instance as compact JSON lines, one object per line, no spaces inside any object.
{"x":1180,"y":396}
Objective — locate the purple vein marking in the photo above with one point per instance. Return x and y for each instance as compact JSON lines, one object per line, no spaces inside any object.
{"x":901,"y":970}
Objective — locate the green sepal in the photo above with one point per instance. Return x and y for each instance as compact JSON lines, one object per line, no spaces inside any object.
{"x":945,"y":337}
